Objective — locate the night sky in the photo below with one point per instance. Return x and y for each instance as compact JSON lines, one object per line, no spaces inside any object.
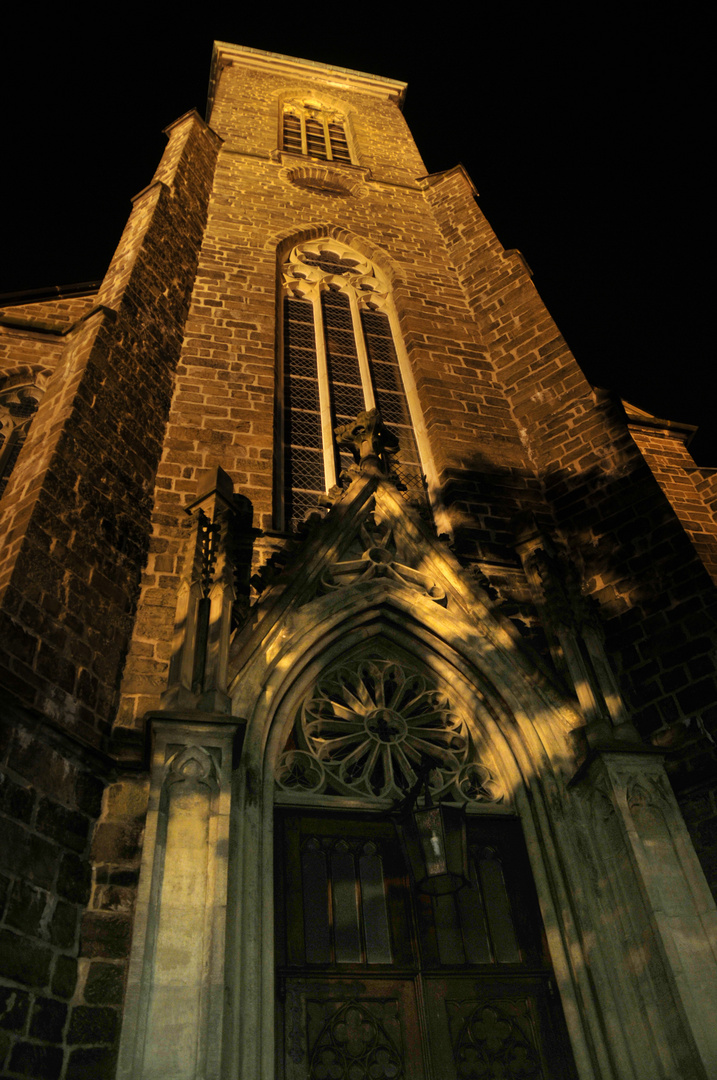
{"x":586,"y":132}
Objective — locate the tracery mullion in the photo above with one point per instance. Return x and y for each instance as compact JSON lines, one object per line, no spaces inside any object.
{"x":419,"y":425}
{"x":344,"y":392}
{"x":327,"y":427}
{"x":355,"y":756}
{"x":343,"y":741}
{"x":327,"y":140}
{"x":443,"y":754}
{"x":363,"y":362}
{"x":408,"y":767}
{"x":343,"y":718}
{"x":300,"y":411}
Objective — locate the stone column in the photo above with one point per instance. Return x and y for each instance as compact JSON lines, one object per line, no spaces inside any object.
{"x":175,"y":992}
{"x":654,"y":916}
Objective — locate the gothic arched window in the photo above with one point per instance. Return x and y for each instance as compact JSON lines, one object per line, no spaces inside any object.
{"x":18,"y":406}
{"x":339,"y":359}
{"x":316,"y":132}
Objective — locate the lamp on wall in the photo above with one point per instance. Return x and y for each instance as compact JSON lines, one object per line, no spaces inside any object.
{"x":434,"y":838}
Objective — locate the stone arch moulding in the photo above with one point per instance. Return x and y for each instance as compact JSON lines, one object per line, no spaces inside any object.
{"x":282,"y":242}
{"x":529,"y":768}
{"x":632,"y":1013}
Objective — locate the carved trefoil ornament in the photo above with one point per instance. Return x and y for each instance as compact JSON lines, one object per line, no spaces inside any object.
{"x":192,"y":765}
{"x":354,"y":1043}
{"x":377,"y":556}
{"x":494,"y":1039}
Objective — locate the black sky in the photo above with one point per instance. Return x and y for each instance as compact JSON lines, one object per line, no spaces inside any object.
{"x":586,"y":132}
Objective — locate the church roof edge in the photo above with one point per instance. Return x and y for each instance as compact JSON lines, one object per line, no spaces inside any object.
{"x":377,"y":84}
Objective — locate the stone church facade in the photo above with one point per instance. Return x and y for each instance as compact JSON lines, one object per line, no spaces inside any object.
{"x":305,"y":500}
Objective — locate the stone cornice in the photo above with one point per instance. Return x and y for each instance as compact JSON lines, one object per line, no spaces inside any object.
{"x":336,"y":77}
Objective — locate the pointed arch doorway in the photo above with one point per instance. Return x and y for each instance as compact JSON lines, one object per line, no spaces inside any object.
{"x":375,"y":979}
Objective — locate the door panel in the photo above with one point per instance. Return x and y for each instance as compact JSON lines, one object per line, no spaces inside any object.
{"x":346,"y":1029}
{"x":494,"y":1028}
{"x":379,"y":982}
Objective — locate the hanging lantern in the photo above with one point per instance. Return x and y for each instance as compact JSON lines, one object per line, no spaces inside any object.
{"x":434,"y":838}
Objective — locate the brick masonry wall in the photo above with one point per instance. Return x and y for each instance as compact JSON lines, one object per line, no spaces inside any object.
{"x":50,"y":797}
{"x":514,"y":425}
{"x":706,"y":485}
{"x":682,"y":482}
{"x":53,"y":316}
{"x":173,"y":375}
{"x":223,"y":406}
{"x":75,"y":515}
{"x":33,"y":338}
{"x":69,"y":864}
{"x":657,"y":602}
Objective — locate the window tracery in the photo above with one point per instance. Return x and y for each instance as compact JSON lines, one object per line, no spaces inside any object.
{"x":365,"y":728}
{"x":18,"y":406}
{"x":339,"y":359}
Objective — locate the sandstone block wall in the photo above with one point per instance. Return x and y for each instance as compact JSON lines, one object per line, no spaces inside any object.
{"x":76,"y":525}
{"x":75,"y":516}
{"x":515,"y":429}
{"x":170,"y":371}
{"x":50,"y":798}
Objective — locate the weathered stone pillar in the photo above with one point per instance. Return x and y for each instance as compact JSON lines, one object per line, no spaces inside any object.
{"x":175,"y":992}
{"x":653,"y":915}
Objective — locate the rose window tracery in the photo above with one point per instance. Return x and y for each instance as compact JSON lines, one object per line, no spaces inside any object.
{"x":366,"y":728}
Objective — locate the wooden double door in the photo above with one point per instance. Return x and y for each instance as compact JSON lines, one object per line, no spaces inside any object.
{"x":379,"y":982}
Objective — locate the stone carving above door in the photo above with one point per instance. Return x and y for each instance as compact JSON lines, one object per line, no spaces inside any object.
{"x":192,"y":764}
{"x":377,"y":556}
{"x":364,"y":728}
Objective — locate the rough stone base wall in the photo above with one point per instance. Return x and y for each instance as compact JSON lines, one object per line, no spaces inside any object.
{"x":69,"y":865}
{"x":50,"y":798}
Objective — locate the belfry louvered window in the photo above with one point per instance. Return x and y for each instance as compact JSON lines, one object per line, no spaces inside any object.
{"x":339,"y":359}
{"x":313,"y":131}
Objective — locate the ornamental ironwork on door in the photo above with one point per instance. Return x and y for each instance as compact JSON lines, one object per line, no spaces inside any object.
{"x":378,"y":981}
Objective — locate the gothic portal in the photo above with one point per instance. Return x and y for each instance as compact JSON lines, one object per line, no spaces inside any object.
{"x":309,"y":512}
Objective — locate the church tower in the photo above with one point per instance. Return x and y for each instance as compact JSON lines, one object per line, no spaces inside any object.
{"x":317,"y":544}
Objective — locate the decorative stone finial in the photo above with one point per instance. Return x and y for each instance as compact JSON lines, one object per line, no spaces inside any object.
{"x":369,"y":441}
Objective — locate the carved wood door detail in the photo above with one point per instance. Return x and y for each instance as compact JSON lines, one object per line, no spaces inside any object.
{"x":378,"y":982}
{"x":351,"y":1030}
{"x":495,"y":1028}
